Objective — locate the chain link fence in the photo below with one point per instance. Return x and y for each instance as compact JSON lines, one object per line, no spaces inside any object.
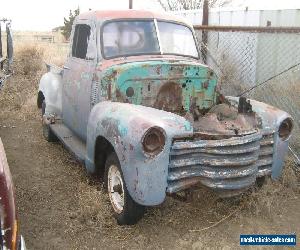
{"x":244,"y":57}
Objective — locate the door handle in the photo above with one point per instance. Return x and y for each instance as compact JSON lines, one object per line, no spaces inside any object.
{"x":66,"y":67}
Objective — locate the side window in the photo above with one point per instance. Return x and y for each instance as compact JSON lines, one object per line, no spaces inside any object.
{"x":81,"y":40}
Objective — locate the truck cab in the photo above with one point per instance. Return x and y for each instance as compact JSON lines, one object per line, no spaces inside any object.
{"x":134,"y":103}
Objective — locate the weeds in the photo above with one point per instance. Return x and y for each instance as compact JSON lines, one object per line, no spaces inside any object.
{"x":263,"y":202}
{"x":29,"y":60}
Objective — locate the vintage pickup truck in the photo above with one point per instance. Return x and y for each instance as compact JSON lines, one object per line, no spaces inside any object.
{"x":136,"y":106}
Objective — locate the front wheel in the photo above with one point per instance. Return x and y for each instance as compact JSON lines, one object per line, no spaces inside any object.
{"x":126,"y":210}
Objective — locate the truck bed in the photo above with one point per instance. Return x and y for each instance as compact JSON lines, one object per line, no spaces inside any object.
{"x":54,"y":68}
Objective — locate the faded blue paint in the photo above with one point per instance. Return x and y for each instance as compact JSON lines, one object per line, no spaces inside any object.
{"x":145,"y":177}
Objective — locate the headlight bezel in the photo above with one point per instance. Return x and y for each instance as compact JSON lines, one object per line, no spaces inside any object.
{"x":153,"y":141}
{"x":285,"y":129}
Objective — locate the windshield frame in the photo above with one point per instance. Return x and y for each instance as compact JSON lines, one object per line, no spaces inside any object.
{"x":155,"y":20}
{"x":178,"y":54}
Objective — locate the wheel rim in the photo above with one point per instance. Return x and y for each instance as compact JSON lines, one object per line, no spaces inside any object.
{"x":116,"y":188}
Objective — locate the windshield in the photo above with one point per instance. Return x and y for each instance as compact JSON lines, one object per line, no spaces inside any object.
{"x":125,"y":38}
{"x":176,"y":39}
{"x":129,"y":38}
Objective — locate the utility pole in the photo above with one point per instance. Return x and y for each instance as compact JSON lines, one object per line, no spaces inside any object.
{"x":204,"y":32}
{"x":130,"y":4}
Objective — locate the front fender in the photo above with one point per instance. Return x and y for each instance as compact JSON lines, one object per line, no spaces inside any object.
{"x":51,"y":87}
{"x":271,"y":119}
{"x":124,"y":126}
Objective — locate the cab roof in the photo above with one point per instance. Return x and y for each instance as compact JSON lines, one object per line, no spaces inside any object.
{"x":126,"y":14}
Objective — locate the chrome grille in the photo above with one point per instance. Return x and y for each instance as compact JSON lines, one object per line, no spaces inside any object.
{"x":265,"y":159}
{"x":228,"y":164}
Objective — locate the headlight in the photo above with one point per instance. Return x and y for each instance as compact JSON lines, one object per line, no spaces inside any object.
{"x":153,"y":141}
{"x":285,"y":129}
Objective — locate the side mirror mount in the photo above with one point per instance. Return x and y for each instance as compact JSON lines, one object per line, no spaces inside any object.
{"x":10,"y":49}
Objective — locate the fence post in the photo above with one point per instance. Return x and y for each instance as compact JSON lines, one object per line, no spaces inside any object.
{"x":1,"y":64}
{"x":205,"y":15}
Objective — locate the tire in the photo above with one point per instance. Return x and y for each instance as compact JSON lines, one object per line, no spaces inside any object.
{"x":261,"y":181}
{"x":126,"y":210}
{"x":47,"y":133}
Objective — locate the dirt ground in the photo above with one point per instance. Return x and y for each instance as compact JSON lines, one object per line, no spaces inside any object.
{"x":60,"y":207}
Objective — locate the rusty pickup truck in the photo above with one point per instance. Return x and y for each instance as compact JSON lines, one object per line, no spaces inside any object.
{"x":136,"y":106}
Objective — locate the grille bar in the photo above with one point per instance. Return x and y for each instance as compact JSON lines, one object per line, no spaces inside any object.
{"x":265,"y":159}
{"x":204,"y":171}
{"x":239,"y":149}
{"x":222,"y":186}
{"x":216,"y":143}
{"x":213,"y":160}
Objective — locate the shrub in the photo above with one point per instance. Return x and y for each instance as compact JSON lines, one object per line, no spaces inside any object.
{"x":29,"y":60}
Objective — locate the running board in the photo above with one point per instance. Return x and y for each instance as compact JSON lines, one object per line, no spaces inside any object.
{"x":72,"y":143}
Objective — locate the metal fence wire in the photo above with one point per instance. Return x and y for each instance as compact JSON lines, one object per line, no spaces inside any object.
{"x":244,"y":57}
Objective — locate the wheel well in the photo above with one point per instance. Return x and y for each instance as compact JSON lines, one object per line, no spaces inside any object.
{"x":102,"y":150}
{"x":40,"y":99}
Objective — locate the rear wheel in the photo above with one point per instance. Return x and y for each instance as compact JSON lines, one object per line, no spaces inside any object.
{"x":47,"y":133}
{"x":126,"y":210}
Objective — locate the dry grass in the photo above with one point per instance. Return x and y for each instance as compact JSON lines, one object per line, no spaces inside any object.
{"x":267,"y":202}
{"x":53,"y":53}
{"x":29,"y":60}
{"x":283,"y":92}
{"x":28,"y":68}
{"x":230,"y":84}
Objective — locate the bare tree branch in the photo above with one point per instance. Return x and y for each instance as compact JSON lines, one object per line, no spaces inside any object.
{"x":190,"y":4}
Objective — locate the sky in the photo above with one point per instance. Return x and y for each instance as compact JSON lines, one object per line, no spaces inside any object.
{"x":41,"y":15}
{"x":45,"y":15}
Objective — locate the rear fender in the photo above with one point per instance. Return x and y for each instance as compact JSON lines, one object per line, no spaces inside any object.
{"x":51,"y":88}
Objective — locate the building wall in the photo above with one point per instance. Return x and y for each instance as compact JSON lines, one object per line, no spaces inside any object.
{"x":238,"y":17}
{"x":259,"y":47}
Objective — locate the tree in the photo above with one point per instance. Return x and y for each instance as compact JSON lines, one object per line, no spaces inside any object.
{"x":68,"y":22}
{"x":190,"y":4}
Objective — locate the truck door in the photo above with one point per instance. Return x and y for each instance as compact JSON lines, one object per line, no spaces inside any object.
{"x":77,"y":78}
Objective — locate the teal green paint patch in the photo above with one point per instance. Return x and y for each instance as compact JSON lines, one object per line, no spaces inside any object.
{"x":85,"y":76}
{"x":188,"y":126}
{"x":122,"y":130}
{"x":195,"y":80}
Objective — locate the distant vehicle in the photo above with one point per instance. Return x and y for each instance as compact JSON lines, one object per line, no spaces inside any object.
{"x":134,"y":103}
{"x":9,"y":236}
{"x":6,"y":61}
